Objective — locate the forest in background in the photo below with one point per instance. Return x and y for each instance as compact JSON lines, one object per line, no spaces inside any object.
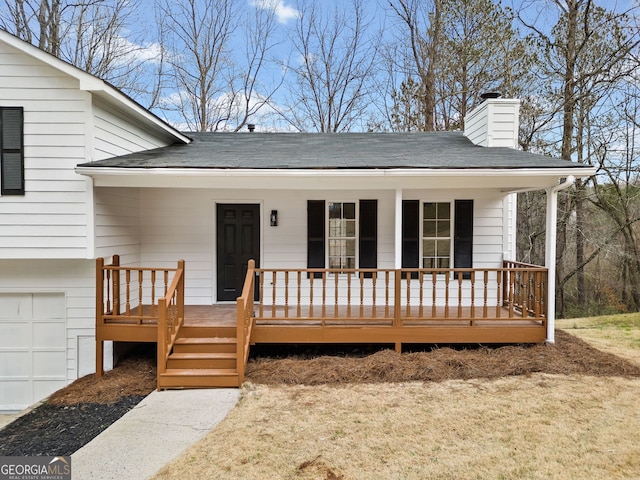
{"x":396,"y":65}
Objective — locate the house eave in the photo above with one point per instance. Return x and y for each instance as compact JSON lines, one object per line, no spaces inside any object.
{"x":506,"y":179}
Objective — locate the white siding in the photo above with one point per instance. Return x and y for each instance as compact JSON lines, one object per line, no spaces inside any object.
{"x":116,"y":134}
{"x":49,"y":221}
{"x":73,"y":280}
{"x":117,"y":223}
{"x":180,"y":224}
{"x":494,"y":123}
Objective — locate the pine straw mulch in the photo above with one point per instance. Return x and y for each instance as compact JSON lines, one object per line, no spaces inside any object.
{"x":73,"y":416}
{"x":569,"y":356}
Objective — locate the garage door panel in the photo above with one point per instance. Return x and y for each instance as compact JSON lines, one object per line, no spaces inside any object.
{"x":14,"y":306}
{"x":15,"y":394}
{"x":48,"y":305}
{"x":15,"y":364}
{"x":33,"y":353}
{"x":48,"y":335}
{"x":14,"y":335}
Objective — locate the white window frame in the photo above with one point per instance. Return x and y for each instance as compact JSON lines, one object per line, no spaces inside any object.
{"x":355,"y":236}
{"x":436,"y":238}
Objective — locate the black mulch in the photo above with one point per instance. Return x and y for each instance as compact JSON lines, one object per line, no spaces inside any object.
{"x":60,"y":430}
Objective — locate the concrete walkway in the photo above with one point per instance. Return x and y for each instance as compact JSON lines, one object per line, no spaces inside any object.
{"x":152,"y":434}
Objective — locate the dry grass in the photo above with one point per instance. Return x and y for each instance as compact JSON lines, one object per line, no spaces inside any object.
{"x":536,"y":427}
{"x":470,"y":423}
{"x":617,"y":334}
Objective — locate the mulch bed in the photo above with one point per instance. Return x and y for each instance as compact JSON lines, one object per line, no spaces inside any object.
{"x":569,"y":356}
{"x":74,"y":415}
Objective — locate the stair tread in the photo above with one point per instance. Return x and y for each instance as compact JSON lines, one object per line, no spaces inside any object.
{"x":202,"y":355}
{"x":200,"y":340}
{"x":212,"y":372}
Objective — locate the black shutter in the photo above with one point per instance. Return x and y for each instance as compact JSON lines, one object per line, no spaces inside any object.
{"x":368,"y":241}
{"x":315,"y":234}
{"x":410,"y":234}
{"x":11,"y":151}
{"x":463,"y":235}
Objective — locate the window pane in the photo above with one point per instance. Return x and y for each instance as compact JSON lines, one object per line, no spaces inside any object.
{"x":428,"y":248}
{"x":430,"y":211}
{"x":443,"y":263}
{"x":444,"y":228}
{"x":444,"y":210}
{"x":428,"y":263}
{"x":350,"y":262}
{"x":335,"y":210}
{"x":350,"y":248}
{"x":429,"y":228}
{"x":350,"y":228}
{"x":442,"y":247}
{"x":349,"y":210}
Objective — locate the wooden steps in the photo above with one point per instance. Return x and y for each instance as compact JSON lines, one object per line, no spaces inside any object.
{"x":202,"y":357}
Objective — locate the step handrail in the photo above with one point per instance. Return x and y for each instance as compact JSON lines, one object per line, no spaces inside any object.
{"x":170,"y":318}
{"x":245,"y":320}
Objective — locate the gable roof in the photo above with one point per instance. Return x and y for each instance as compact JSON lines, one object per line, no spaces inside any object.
{"x":95,"y":86}
{"x":285,"y":151}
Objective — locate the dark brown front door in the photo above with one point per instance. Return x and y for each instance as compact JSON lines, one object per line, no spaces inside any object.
{"x":238,"y":241}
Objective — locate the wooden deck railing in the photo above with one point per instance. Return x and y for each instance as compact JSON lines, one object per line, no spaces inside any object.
{"x":403,"y":296}
{"x":245,"y":319}
{"x":170,"y":318}
{"x":131,"y":301}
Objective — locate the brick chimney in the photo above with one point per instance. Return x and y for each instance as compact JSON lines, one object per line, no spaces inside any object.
{"x":494,"y":123}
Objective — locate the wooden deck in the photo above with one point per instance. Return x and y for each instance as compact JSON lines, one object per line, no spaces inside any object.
{"x":208,"y":345}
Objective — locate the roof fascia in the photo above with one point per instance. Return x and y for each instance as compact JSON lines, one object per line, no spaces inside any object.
{"x":408,"y":172}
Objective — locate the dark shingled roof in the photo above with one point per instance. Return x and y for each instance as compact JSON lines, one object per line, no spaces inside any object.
{"x":450,"y":150}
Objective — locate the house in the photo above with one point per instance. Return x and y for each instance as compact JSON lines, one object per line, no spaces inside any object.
{"x":363,"y":237}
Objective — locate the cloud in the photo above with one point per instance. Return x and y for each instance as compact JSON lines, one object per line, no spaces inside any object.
{"x":283,"y":12}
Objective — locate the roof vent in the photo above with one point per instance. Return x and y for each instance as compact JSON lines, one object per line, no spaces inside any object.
{"x":489,"y":95}
{"x":251,"y":127}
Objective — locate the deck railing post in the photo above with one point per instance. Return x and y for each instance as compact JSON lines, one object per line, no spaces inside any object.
{"x":115,"y":278}
{"x":162,"y":338}
{"x":397,"y":307}
{"x":181,"y":266}
{"x":99,"y":315}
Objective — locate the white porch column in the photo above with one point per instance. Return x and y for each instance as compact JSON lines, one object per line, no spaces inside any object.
{"x":550,"y":254}
{"x":398,"y":230}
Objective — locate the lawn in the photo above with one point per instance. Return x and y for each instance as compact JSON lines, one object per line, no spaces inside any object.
{"x":618,"y":334}
{"x":534,"y":426}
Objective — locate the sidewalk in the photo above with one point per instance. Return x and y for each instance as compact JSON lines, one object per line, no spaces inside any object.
{"x":152,"y":434}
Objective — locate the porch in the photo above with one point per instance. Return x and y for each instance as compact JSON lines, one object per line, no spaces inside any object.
{"x":208,"y":345}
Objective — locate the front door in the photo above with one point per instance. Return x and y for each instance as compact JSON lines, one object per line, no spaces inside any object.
{"x":238,"y":241}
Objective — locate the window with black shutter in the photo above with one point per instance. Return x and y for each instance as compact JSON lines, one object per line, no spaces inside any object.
{"x":11,"y":151}
{"x":350,"y":224}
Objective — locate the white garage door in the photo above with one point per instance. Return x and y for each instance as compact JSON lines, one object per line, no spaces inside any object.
{"x":33,"y":353}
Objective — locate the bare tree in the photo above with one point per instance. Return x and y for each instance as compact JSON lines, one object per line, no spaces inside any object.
{"x":584,"y":55}
{"x":210,"y":86}
{"x":94,"y":35}
{"x":332,"y":82}
{"x":422,"y":25}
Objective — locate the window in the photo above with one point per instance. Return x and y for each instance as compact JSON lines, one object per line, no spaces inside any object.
{"x":342,"y":235}
{"x":348,"y":239}
{"x":436,"y":235}
{"x":11,"y":151}
{"x":433,"y":232}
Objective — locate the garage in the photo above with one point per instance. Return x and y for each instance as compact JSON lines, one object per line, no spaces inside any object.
{"x":33,"y":353}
